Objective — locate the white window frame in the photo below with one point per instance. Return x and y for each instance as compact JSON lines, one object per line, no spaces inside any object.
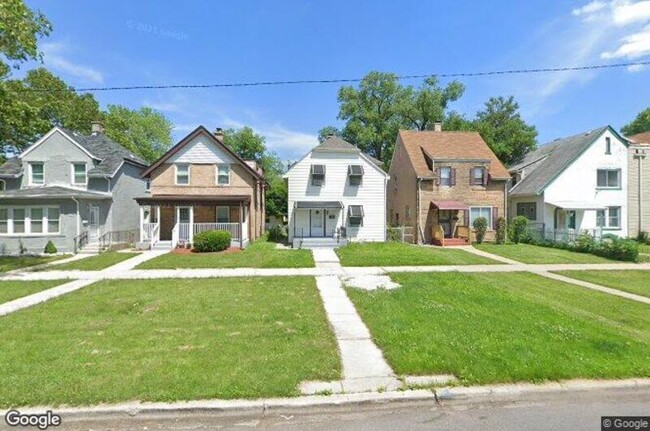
{"x":443,"y":178}
{"x":619,"y":217}
{"x":480,"y":208}
{"x":619,"y":180}
{"x":73,"y":176}
{"x":601,"y":222}
{"x":28,"y":221}
{"x":188,"y":174}
{"x":482,"y":176}
{"x":216,"y":214}
{"x":216,"y":175}
{"x":30,"y":168}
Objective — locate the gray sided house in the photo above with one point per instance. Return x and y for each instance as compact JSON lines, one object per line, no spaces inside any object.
{"x":72,"y":189}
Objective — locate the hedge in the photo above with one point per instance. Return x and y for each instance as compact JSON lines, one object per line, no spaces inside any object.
{"x":212,"y":240}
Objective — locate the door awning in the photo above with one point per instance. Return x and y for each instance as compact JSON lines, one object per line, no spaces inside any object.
{"x":577,"y":205}
{"x":306,"y":205}
{"x":450,"y":205}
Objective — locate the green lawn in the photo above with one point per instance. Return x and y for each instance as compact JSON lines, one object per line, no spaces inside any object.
{"x":528,"y":253}
{"x":398,"y":254}
{"x":644,"y":248}
{"x":9,"y":263}
{"x":633,"y":281}
{"x":506,"y":327}
{"x":93,"y":263}
{"x":10,"y":290}
{"x":259,"y":254}
{"x":168,"y":339}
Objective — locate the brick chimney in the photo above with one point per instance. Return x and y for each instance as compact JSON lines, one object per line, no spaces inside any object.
{"x":437,"y":126}
{"x":218,"y":133}
{"x":96,"y":127}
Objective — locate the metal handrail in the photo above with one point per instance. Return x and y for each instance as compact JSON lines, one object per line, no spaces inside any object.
{"x":80,"y":241}
{"x":117,"y":237}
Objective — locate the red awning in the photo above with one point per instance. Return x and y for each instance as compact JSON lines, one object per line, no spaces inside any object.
{"x":449,"y":205}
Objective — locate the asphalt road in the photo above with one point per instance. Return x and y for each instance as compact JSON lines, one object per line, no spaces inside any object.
{"x":550,"y":411}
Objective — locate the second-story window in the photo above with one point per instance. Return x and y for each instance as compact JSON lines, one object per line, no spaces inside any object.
{"x":317,"y":175}
{"x":445,"y":176}
{"x":477,"y":176}
{"x":608,"y":145}
{"x":608,"y":178}
{"x":79,"y":176}
{"x":182,"y":175}
{"x":223,"y":175}
{"x":36,"y":173}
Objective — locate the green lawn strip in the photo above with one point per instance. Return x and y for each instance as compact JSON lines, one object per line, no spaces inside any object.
{"x":506,"y":327}
{"x":535,"y":254}
{"x":259,"y":254}
{"x":93,"y":263}
{"x":10,"y":290}
{"x":166,"y":340}
{"x":632,"y":281}
{"x":398,"y":254}
{"x":9,"y":263}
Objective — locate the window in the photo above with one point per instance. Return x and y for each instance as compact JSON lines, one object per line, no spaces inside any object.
{"x":614,"y":217}
{"x":223,"y":214}
{"x":476,"y":212}
{"x":36,"y":220}
{"x":2,"y":186}
{"x":182,"y":174}
{"x":147,"y":185}
{"x":600,"y":218}
{"x":609,"y":178}
{"x":79,"y":173}
{"x":445,"y":176}
{"x":355,"y":215}
{"x":608,"y":146}
{"x":4,"y":220}
{"x":52,"y":220}
{"x":223,"y":175}
{"x":317,"y":175}
{"x":19,"y":220}
{"x":355,"y":174}
{"x":527,"y":209}
{"x":477,"y":176}
{"x":36,"y":173}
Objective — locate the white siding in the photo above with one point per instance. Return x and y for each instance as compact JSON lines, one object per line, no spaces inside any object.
{"x":371,"y":194}
{"x":201,"y":150}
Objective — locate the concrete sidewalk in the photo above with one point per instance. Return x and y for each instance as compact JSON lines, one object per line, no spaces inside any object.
{"x":42,"y":296}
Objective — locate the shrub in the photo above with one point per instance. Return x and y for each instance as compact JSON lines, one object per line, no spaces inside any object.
{"x":480,"y":226}
{"x":584,"y":243}
{"x":50,"y":248}
{"x":643,"y":237}
{"x":518,"y":229}
{"x":278,"y":233}
{"x":501,"y":230}
{"x":212,"y":240}
{"x":617,"y":249}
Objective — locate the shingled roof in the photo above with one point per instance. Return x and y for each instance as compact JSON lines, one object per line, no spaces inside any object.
{"x":449,"y":146}
{"x":641,"y":138}
{"x":11,"y":168}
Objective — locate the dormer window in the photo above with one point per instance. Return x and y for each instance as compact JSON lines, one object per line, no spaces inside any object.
{"x":79,"y":176}
{"x":36,"y":173}
{"x":182,"y":175}
{"x":355,"y":174}
{"x":317,"y":175}
{"x":355,"y":215}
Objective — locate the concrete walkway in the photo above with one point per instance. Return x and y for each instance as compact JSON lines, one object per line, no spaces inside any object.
{"x":476,"y":251}
{"x":42,"y":296}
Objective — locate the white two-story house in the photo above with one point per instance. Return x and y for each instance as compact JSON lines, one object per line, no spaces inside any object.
{"x":336,"y":194}
{"x":573,"y":185}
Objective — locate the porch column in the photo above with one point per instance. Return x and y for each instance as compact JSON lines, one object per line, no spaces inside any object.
{"x":141,"y":223}
{"x":241,"y":225}
{"x":157,"y":221}
{"x":191,"y":233}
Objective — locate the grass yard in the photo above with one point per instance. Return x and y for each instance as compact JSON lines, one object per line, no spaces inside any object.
{"x":633,"y":281}
{"x":259,"y":254}
{"x":93,"y":263}
{"x":168,"y":339}
{"x":398,"y":254}
{"x":10,"y":290}
{"x":644,"y":248}
{"x":9,"y":263}
{"x":528,"y":253}
{"x":506,"y":327}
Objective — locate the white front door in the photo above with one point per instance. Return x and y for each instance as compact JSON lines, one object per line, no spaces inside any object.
{"x":317,"y":225}
{"x":93,"y":223}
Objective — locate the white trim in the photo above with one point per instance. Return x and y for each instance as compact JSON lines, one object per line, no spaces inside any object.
{"x":47,"y":135}
{"x":30,"y":174}
{"x":216,"y":214}
{"x":176,"y":174}
{"x":216,"y":175}
{"x":73,"y":174}
{"x":482,"y":207}
{"x":27,"y":220}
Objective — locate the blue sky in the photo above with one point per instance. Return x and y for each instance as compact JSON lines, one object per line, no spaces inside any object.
{"x":113,"y":43}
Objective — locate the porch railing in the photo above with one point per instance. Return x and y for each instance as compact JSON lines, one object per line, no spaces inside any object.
{"x":150,"y":231}
{"x":117,"y":237}
{"x":565,"y":235}
{"x":183,"y":231}
{"x":233,"y":228}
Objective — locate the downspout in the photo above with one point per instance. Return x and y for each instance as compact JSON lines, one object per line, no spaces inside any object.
{"x":417,"y":209}
{"x":640,"y":192}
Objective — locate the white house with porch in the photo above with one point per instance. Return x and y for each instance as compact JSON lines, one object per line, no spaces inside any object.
{"x":574,"y":185}
{"x":336,"y":194}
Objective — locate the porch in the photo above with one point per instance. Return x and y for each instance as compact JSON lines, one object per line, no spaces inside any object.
{"x":174,"y":223}
{"x":449,"y":223}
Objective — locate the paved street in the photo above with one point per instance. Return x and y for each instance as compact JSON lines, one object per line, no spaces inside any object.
{"x":546,"y":411}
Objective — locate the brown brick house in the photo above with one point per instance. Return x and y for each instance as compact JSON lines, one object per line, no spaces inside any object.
{"x":441,"y":181}
{"x":199,"y":185}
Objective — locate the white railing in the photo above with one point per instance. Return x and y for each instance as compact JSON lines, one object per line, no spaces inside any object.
{"x":175,"y":235}
{"x":155,"y":234}
{"x":149,"y":231}
{"x":233,"y":228}
{"x":184,"y":231}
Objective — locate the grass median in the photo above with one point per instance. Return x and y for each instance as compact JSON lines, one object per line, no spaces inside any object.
{"x":10,"y":290}
{"x":632,"y":281}
{"x":398,"y":254}
{"x":535,"y":254}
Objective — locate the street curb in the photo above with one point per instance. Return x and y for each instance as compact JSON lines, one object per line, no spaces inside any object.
{"x":262,"y":406}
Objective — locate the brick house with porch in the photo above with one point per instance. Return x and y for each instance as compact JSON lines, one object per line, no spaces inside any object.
{"x":440,"y":182}
{"x":200,"y":185}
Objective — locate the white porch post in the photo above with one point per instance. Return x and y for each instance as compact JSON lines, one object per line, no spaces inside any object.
{"x":157,"y":221}
{"x":141,"y":223}
{"x":191,"y":232}
{"x":241,"y":225}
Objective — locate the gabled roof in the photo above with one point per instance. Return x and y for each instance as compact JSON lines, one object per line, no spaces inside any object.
{"x":448,"y":146}
{"x":11,"y":168}
{"x":186,"y":140}
{"x":640,"y":138}
{"x":553,"y":159}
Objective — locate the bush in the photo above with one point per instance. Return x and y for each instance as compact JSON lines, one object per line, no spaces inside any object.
{"x":212,"y":240}
{"x":643,"y":237}
{"x":584,"y":243}
{"x":501,"y":230}
{"x":518,"y":229}
{"x":617,"y":249}
{"x":278,"y":233}
{"x":480,"y":226}
{"x":50,"y":248}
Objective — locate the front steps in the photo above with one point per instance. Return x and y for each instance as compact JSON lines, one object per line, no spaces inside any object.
{"x":311,"y":243}
{"x":162,"y":245}
{"x":91,"y":248}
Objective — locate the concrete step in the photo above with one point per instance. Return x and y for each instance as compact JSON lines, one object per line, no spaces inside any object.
{"x":162,"y":245}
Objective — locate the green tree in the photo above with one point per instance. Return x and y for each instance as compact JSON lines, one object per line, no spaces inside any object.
{"x":503,"y":129}
{"x":328,"y":131}
{"x":639,"y":125}
{"x":245,"y":143}
{"x":145,"y":131}
{"x":424,"y":106}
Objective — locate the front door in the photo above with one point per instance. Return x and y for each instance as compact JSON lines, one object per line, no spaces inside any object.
{"x":444,"y":218}
{"x":317,"y":225}
{"x":93,"y":223}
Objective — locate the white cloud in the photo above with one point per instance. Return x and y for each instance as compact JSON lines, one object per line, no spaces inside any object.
{"x":53,"y":55}
{"x":590,"y":8}
{"x":626,"y":12}
{"x":637,"y":68}
{"x":632,"y":46}
{"x":288,"y":143}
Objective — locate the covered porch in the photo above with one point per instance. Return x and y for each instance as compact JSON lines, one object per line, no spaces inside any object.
{"x":175,"y":220}
{"x":449,"y":223}
{"x":573,"y":218}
